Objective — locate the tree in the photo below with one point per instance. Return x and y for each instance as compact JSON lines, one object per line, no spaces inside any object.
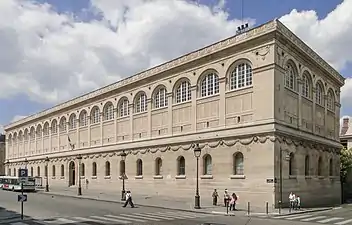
{"x":345,"y":163}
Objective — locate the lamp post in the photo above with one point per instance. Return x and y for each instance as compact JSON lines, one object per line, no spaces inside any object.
{"x":197,"y":151}
{"x":287,"y":158}
{"x":8,"y":168}
{"x":123,"y":174}
{"x":25,"y":163}
{"x":79,"y":157}
{"x":47,"y":174}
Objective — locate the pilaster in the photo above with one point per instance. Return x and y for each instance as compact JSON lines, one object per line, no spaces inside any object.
{"x":50,"y":139}
{"x":222,"y":101}
{"x":130,"y":109}
{"x":299,"y":89}
{"x":194,"y":108}
{"x":89,"y":133}
{"x":169,"y":112}
{"x":149,"y":112}
{"x":116,"y":116}
{"x":314,"y":90}
{"x":101,"y":116}
{"x":77,"y":133}
{"x":325,"y":114}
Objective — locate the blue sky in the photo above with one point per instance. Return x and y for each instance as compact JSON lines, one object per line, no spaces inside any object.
{"x":42,"y":82}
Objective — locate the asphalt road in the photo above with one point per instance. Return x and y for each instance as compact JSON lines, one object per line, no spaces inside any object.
{"x":46,"y":209}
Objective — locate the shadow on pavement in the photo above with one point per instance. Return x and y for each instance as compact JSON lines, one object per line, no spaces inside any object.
{"x":8,"y":216}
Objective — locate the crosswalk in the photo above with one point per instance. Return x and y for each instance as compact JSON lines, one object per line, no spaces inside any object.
{"x":316,"y":218}
{"x":122,"y":218}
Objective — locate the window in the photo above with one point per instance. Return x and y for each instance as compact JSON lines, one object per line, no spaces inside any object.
{"x":108,"y":111}
{"x":94,"y":169}
{"x":32,"y":173}
{"x":95,"y":115}
{"x":207,"y":165}
{"x":83,"y":170}
{"x":123,"y":108}
{"x":53,"y":171}
{"x":306,"y":166}
{"x":181,"y":166}
{"x":63,"y":124}
{"x":292,"y":165}
{"x":141,"y":103}
{"x":209,"y":85}
{"x":158,"y":166}
{"x":291,"y":77}
{"x":241,"y":76}
{"x":83,"y":119}
{"x":46,"y":171}
{"x":14,"y":172}
{"x":320,"y":166}
{"x":139,"y":167}
{"x":39,"y":131}
{"x":331,"y":168}
{"x":183,"y":92}
{"x":20,"y":136}
{"x":62,"y":170}
{"x":122,"y":168}
{"x":25,"y":136}
{"x":32,"y":133}
{"x":319,"y":94}
{"x":306,"y":86}
{"x":160,"y":98}
{"x":72,"y":122}
{"x":38,"y":171}
{"x":46,"y":129}
{"x":54,"y":127}
{"x":107,"y":168}
{"x":331,"y":100}
{"x":238,"y":164}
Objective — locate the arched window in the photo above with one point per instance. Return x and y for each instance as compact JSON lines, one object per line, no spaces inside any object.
{"x":306,"y":166}
{"x":95,"y":115}
{"x":108,"y":111}
{"x":331,"y":100}
{"x":32,"y":133}
{"x":241,"y":76}
{"x":139,"y":167}
{"x":32,"y":173}
{"x":306,"y":86}
{"x":319,"y":94}
{"x":123,"y":107}
{"x":291,"y":77}
{"x":45,"y":171}
{"x":62,"y":171}
{"x":15,"y":138}
{"x":292,"y":165}
{"x":183,"y":92}
{"x":207,"y":165}
{"x":72,"y":121}
{"x":158,"y":166}
{"x":238,"y":167}
{"x":209,"y":85}
{"x":83,"y":170}
{"x":46,"y":129}
{"x":20,"y":136}
{"x":63,"y":124}
{"x":54,"y":127}
{"x":94,"y":169}
{"x":53,"y":171}
{"x":39,"y":131}
{"x":83,"y":119}
{"x":25,"y":135}
{"x":320,"y":166}
{"x":141,"y":103}
{"x":9,"y":140}
{"x":122,"y":168}
{"x":331,"y":168}
{"x":107,"y":168}
{"x":181,"y":166}
{"x":160,"y":99}
{"x":38,"y":171}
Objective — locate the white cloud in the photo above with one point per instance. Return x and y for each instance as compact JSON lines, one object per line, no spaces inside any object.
{"x":17,"y":117}
{"x":1,"y":129}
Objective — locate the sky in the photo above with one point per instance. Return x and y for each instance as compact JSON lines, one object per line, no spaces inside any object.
{"x":53,"y":50}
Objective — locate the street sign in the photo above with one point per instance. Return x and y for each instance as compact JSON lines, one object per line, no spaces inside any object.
{"x":22,"y":198}
{"x":22,"y":173}
{"x":23,"y":179}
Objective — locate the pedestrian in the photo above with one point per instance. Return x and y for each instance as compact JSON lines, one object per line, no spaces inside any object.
{"x":215,"y":197}
{"x":291,"y":198}
{"x":128,"y":200}
{"x":298,"y":202}
{"x":87,"y":182}
{"x":226,"y":198}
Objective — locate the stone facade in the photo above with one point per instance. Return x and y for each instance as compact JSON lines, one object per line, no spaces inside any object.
{"x":250,"y":101}
{"x":2,"y":154}
{"x":346,"y":141}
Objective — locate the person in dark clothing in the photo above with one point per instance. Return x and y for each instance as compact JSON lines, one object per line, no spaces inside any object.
{"x":128,"y":200}
{"x":215,"y":197}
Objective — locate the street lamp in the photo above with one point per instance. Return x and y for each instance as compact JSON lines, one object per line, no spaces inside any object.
{"x":79,"y":157}
{"x":47,"y":174}
{"x":123,"y":158}
{"x":8,"y":168}
{"x":26,"y":162}
{"x":197,"y":151}
{"x":287,"y":158}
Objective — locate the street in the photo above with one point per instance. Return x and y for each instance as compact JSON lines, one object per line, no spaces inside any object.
{"x":48,"y":209}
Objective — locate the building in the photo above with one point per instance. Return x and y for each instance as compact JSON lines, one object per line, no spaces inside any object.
{"x":263,"y":106}
{"x":2,"y":154}
{"x":346,"y":141}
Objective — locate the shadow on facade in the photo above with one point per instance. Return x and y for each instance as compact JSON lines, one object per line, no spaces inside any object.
{"x":8,"y":216}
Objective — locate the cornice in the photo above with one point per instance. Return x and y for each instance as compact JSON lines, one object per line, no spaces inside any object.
{"x":266,"y":28}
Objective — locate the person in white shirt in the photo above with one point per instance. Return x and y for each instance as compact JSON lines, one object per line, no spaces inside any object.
{"x":128,"y":200}
{"x":291,"y":198}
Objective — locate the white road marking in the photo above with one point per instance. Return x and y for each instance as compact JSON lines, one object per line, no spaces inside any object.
{"x":344,"y":222}
{"x":128,"y":218}
{"x":153,"y":216}
{"x":139,"y":217}
{"x":314,"y":218}
{"x":330,"y":219}
{"x":287,"y":216}
{"x":18,"y":223}
{"x":298,"y":217}
{"x":110,"y":219}
{"x":91,"y":220}
{"x":174,"y":216}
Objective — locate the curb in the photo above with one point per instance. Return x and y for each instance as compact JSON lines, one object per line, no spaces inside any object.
{"x":301,"y":212}
{"x":116,"y":201}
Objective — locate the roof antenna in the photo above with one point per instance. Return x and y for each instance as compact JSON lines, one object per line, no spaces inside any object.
{"x":244,"y":27}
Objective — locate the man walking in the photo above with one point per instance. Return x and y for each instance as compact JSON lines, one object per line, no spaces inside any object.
{"x":128,"y":200}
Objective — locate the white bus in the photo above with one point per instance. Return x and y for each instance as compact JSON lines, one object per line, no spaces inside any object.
{"x":13,"y":183}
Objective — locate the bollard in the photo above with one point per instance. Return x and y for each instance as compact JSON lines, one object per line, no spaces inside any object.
{"x":267,"y":208}
{"x":227,"y":207}
{"x":248,"y":208}
{"x":279,"y":207}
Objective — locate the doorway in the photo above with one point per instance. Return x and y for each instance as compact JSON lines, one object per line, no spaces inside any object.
{"x":72,"y":174}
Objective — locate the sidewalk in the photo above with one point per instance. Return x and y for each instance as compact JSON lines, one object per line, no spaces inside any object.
{"x":164,"y":202}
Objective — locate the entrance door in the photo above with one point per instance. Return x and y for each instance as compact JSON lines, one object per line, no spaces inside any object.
{"x":72,"y":174}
